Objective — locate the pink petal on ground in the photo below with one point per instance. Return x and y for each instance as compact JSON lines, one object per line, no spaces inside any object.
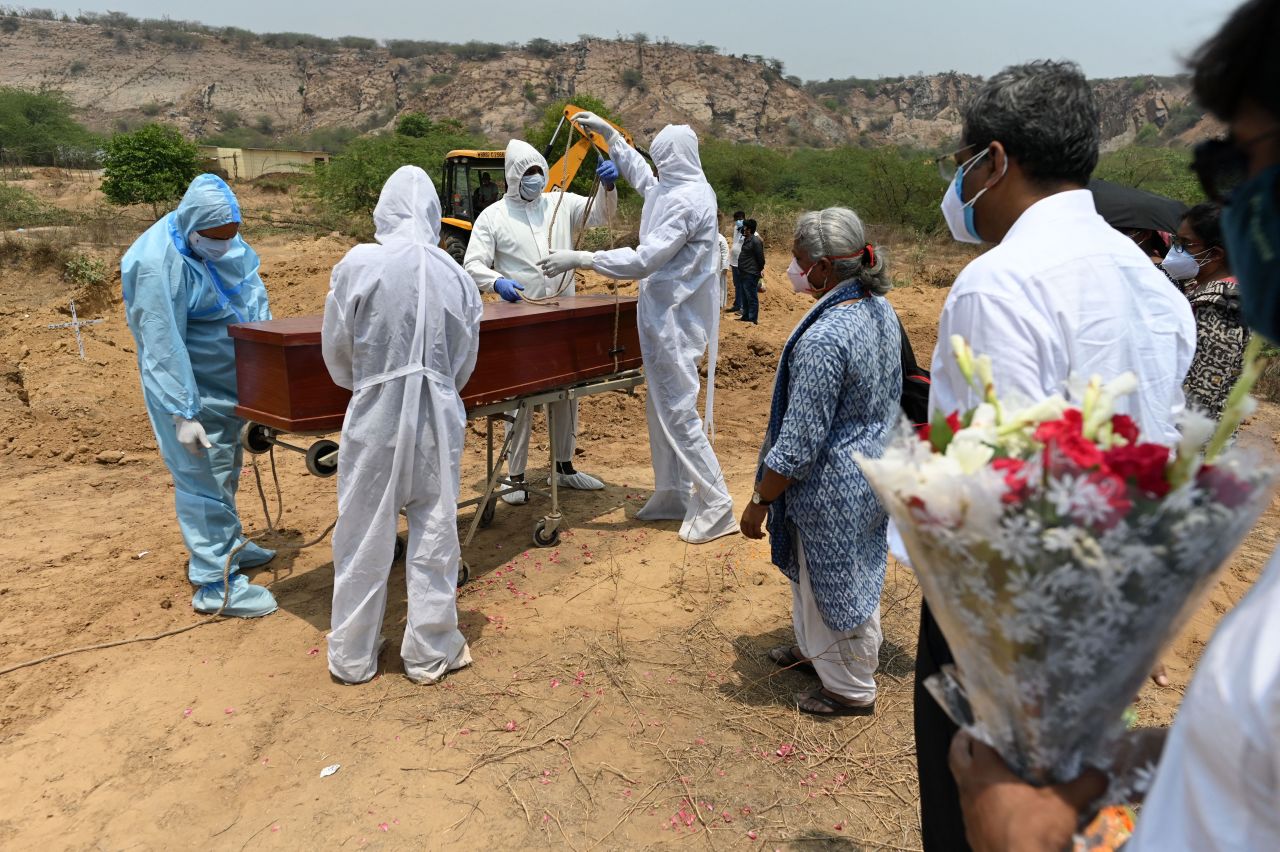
{"x":751,"y":835}
{"x":785,"y":750}
{"x":384,"y":826}
{"x":511,"y":726}
{"x":275,"y":828}
{"x":187,"y":712}
{"x":229,"y":710}
{"x":313,"y":652}
{"x":555,"y":681}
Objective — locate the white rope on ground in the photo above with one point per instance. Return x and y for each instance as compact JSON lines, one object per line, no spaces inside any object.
{"x":226,"y":581}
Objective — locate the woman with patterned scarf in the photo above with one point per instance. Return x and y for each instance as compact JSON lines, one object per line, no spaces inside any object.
{"x":837,"y":393}
{"x":1215,"y":300}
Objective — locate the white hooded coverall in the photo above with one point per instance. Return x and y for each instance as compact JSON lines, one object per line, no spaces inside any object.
{"x":678,"y":314}
{"x":401,"y":330}
{"x":507,"y":241}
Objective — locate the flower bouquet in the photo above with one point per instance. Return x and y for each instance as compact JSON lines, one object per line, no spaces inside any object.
{"x":1059,"y":553}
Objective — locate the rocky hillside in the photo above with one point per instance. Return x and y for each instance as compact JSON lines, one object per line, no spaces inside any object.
{"x":200,"y":82}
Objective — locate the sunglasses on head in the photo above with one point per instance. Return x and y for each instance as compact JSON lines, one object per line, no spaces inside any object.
{"x":1223,"y":164}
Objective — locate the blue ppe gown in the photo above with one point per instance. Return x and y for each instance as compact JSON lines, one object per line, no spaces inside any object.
{"x":178,"y":306}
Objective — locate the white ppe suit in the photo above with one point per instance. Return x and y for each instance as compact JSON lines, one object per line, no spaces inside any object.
{"x":401,"y":330}
{"x":507,"y":241}
{"x":678,"y":314}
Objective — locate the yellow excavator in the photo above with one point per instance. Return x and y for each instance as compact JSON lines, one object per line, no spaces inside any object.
{"x":474,"y":179}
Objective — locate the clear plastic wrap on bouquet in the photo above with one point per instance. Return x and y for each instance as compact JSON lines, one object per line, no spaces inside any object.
{"x":1059,"y":555}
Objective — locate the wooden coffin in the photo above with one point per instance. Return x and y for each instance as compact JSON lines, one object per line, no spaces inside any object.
{"x":524,"y":349}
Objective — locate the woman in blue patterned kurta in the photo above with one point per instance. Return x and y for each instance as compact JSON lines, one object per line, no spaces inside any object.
{"x":837,"y":393}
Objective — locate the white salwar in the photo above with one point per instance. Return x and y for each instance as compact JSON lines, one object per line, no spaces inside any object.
{"x":401,"y":330}
{"x":845,"y":660}
{"x":507,"y":241}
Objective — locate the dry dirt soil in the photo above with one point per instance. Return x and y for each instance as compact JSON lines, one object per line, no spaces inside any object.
{"x":621,"y":696}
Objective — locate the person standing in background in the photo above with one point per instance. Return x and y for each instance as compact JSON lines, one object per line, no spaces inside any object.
{"x":735,"y":249}
{"x":724,"y":268}
{"x":750,"y":268}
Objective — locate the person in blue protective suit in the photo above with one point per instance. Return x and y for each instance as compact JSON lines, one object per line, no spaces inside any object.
{"x":187,"y":278}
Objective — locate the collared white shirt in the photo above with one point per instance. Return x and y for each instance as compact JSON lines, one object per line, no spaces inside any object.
{"x":724,"y":252}
{"x":1064,"y":296}
{"x":1218,"y":785}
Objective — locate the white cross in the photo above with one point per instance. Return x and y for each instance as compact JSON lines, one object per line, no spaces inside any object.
{"x":75,"y":323}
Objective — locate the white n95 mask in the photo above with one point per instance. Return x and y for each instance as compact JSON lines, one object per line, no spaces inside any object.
{"x":1180,"y":265}
{"x":207,"y":248}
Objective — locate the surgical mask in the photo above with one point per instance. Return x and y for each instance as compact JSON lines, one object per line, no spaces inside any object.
{"x":1251,"y":231}
{"x":959,"y":213}
{"x":531,"y":186}
{"x":1181,"y":265}
{"x":737,"y":223}
{"x":799,"y":278}
{"x":207,"y":248}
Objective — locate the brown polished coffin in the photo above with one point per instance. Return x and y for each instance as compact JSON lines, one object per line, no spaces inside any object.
{"x":524,"y":348}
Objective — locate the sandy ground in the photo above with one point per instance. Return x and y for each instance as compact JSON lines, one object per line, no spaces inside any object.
{"x":620,"y":698}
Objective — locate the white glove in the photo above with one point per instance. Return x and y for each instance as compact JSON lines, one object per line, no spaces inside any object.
{"x":191,"y":434}
{"x":561,"y":261}
{"x":595,"y":123}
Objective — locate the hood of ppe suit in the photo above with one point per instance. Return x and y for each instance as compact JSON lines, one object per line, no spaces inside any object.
{"x":408,"y":209}
{"x":520,"y":156}
{"x":675,"y":153}
{"x":207,"y":203}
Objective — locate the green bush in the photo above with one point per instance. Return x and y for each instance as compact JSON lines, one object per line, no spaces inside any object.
{"x":632,"y":78}
{"x":414,"y":124}
{"x":152,"y":165}
{"x":9,"y":25}
{"x":352,"y":181}
{"x":439,"y":79}
{"x":542,"y":48}
{"x":539,"y":135}
{"x":403,"y":48}
{"x":21,"y":209}
{"x":151,"y":109}
{"x":1164,"y":171}
{"x":358,"y":43}
{"x":37,"y":128}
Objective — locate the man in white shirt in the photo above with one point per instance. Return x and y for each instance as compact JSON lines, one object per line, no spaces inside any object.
{"x":1218,"y":782}
{"x":1061,"y":295}
{"x":735,"y":249}
{"x":724,"y":268}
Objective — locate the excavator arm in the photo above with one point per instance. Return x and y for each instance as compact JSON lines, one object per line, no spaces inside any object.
{"x":562,"y":171}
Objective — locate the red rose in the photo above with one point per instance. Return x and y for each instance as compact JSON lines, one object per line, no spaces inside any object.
{"x":1066,"y":448}
{"x":1015,"y":478}
{"x":1123,"y":425}
{"x":1071,"y":423}
{"x":1227,"y":488}
{"x":953,"y":420}
{"x":1142,"y":464}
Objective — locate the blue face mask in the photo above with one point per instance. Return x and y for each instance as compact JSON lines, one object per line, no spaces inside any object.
{"x":531,"y":186}
{"x":1251,"y":230}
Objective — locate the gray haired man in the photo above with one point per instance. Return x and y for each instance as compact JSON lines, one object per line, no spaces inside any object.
{"x":1062,"y":294}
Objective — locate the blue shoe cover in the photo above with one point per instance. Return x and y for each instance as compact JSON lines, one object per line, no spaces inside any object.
{"x":254,"y":556}
{"x":246,"y":601}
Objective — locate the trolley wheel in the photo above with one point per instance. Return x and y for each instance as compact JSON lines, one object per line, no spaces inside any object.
{"x":540,"y":537}
{"x":400,"y":548}
{"x":464,"y":573}
{"x":486,"y":514}
{"x":321,"y":460}
{"x":255,"y":438}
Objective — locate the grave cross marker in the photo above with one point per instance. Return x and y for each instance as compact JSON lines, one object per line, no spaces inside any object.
{"x":75,"y":323}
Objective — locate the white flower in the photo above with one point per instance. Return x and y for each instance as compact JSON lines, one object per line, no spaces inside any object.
{"x":1196,"y":428}
{"x":1019,"y":539}
{"x":969,"y":451}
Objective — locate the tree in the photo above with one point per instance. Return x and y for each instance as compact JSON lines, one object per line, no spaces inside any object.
{"x":539,"y":135}
{"x":37,"y":128}
{"x":149,"y":166}
{"x":352,"y":180}
{"x":414,"y":124}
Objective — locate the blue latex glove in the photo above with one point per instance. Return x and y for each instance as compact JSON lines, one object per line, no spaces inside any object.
{"x":607,"y":172}
{"x":508,"y":289}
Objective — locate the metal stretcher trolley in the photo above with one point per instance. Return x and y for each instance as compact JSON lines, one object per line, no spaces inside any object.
{"x":530,"y":355}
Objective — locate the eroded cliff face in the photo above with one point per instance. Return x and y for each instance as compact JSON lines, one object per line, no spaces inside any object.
{"x":119,"y":75}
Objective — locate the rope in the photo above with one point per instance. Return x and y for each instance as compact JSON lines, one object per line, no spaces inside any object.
{"x":568,"y":276}
{"x":226,"y":581}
